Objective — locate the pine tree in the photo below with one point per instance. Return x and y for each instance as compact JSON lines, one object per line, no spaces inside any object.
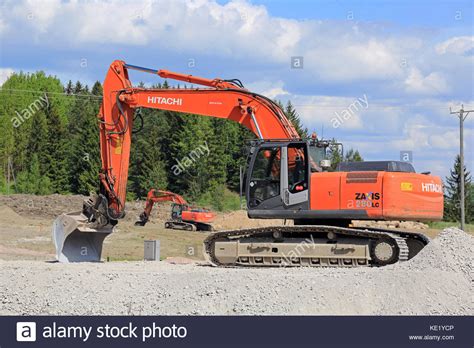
{"x":147,"y":160}
{"x":452,"y":194}
{"x":31,"y":181}
{"x":336,"y":157}
{"x":97,"y":89}
{"x":38,"y":139}
{"x":69,"y":88}
{"x":78,"y":88}
{"x":353,"y":156}
{"x":294,"y":118}
{"x":84,"y":156}
{"x":55,"y":163}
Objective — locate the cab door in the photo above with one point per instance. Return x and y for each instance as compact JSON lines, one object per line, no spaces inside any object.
{"x":295,"y":176}
{"x":277,"y":178}
{"x":264,"y":178}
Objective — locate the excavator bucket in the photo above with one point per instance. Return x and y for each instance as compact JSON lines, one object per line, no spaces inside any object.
{"x":76,"y":240}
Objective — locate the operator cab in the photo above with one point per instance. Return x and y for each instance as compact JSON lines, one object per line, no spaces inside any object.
{"x":176,"y":211}
{"x":277,"y":177}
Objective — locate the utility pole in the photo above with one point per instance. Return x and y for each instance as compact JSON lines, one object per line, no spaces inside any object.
{"x":461,"y":114}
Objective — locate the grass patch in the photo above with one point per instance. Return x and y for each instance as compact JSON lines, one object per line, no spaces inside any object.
{"x":221,"y":199}
{"x":440,"y":225}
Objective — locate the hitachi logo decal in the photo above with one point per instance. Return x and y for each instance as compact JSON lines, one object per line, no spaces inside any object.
{"x":165,"y":101}
{"x":428,"y":187}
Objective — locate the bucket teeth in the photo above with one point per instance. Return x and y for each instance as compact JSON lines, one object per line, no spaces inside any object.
{"x":76,"y":241}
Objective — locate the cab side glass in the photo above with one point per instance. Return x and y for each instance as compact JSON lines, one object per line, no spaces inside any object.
{"x":297,"y":168}
{"x":265,"y":179}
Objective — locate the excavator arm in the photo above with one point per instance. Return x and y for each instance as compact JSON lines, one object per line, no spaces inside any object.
{"x":225,"y":99}
{"x":79,"y":236}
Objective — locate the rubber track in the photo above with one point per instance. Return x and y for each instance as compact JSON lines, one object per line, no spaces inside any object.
{"x":398,"y":236}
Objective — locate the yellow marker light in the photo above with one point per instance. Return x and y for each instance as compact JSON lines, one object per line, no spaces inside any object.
{"x":406,"y":186}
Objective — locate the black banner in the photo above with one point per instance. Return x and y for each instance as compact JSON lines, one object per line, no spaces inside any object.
{"x":236,"y":331}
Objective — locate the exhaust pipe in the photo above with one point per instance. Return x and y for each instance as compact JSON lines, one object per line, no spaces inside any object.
{"x":76,"y":239}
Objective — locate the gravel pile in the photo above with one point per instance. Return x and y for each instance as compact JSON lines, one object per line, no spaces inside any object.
{"x":451,"y":251}
{"x":437,"y":281}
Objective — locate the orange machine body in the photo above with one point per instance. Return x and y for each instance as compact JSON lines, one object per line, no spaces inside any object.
{"x":381,"y":195}
{"x":190,"y":214}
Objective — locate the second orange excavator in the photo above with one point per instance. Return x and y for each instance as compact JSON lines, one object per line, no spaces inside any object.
{"x":183,"y":215}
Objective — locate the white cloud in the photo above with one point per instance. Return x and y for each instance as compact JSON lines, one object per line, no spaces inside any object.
{"x":333,"y":51}
{"x":416,"y":137}
{"x":434,"y":83}
{"x":5,"y":73}
{"x":3,"y":26}
{"x":344,"y":112}
{"x":275,"y":92}
{"x":351,"y":58}
{"x":272,"y":90}
{"x":445,"y":141}
{"x":457,"y":45}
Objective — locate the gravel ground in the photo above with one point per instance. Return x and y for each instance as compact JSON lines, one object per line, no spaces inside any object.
{"x":437,"y":281}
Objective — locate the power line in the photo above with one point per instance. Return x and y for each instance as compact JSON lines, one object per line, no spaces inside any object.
{"x":56,"y":97}
{"x":26,"y":91}
{"x":315,"y":105}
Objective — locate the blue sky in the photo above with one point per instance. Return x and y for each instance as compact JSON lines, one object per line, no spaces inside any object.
{"x":409,"y":60}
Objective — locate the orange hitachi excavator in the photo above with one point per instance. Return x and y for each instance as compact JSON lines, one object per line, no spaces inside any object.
{"x":183,"y":216}
{"x":285,"y":178}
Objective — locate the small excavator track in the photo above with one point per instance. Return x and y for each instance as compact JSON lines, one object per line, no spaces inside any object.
{"x":313,"y":246}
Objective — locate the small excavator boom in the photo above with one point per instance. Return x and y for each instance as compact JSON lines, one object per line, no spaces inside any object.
{"x":183,"y":216}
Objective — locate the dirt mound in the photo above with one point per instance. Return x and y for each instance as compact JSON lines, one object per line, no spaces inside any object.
{"x":8,"y":215}
{"x":49,"y":206}
{"x":451,"y":251}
